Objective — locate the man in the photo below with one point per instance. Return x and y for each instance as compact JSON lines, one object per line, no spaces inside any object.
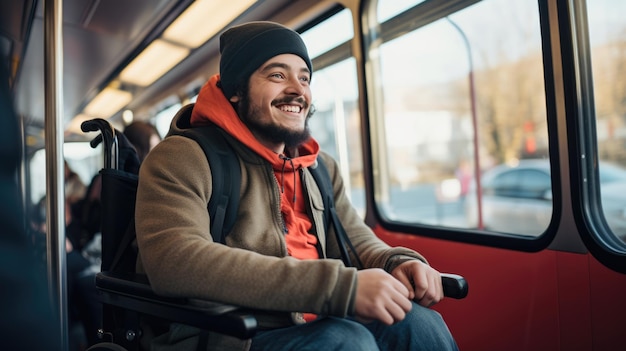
{"x":278,"y":257}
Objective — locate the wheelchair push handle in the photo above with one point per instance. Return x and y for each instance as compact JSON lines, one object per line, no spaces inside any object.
{"x":107,"y":135}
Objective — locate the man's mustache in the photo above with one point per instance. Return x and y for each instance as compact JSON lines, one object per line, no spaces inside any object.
{"x":291,"y":99}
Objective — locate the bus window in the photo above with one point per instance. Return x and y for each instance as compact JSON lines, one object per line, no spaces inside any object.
{"x":607,"y":29}
{"x":336,"y":124}
{"x":329,"y":34}
{"x":389,"y":9}
{"x":456,"y":100}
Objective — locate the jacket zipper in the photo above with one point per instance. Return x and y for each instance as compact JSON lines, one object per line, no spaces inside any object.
{"x":279,"y":216}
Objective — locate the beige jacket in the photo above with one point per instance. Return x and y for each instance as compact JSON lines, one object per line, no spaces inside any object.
{"x":253,"y":270}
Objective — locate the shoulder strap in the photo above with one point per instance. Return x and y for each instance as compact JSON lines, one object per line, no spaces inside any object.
{"x":322,"y":178}
{"x":226,"y":174}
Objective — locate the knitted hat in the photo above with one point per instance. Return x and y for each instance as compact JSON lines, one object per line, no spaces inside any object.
{"x":246,"y":47}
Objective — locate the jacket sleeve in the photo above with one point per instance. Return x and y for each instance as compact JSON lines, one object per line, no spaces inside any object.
{"x":373,"y":252}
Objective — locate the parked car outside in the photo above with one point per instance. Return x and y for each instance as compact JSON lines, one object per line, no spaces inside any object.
{"x":517,"y":198}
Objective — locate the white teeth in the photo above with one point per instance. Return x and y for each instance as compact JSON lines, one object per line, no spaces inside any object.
{"x":288,"y":108}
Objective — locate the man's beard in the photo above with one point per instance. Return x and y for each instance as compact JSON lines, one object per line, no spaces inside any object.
{"x":271,"y":131}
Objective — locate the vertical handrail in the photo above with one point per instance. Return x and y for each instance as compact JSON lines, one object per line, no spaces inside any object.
{"x":55,"y":189}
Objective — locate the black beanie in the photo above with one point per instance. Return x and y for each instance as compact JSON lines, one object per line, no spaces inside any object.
{"x":246,"y":47}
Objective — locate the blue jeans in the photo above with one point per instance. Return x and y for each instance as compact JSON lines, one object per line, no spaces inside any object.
{"x":422,"y":329}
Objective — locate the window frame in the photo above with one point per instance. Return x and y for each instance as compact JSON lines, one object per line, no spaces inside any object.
{"x":585,"y":183}
{"x":422,"y":14}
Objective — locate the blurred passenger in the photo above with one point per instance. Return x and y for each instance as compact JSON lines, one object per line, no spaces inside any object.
{"x":84,"y":310}
{"x":90,"y":222}
{"x":464,"y":175}
{"x":74,"y":187}
{"x":27,"y":318}
{"x":83,"y":249}
{"x":144,"y":136}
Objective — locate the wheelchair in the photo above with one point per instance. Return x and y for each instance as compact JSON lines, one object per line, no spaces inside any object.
{"x":126,"y":296}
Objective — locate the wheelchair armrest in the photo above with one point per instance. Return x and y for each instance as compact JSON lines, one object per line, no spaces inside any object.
{"x":454,"y":285}
{"x":133,"y":292}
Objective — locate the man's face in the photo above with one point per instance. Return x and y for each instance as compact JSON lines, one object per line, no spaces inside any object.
{"x":277,"y":104}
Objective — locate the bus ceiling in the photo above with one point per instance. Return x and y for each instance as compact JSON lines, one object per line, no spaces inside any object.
{"x":101,"y":38}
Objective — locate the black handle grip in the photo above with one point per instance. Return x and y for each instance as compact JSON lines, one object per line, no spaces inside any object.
{"x":107,"y":136}
{"x":454,"y":285}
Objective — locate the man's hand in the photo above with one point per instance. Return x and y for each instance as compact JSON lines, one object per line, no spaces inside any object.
{"x":379,"y":296}
{"x":422,"y":281}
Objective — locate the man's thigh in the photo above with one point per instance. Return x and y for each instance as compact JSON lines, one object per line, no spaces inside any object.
{"x":422,"y":329}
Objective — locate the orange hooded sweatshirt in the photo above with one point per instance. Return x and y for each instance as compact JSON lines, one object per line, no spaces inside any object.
{"x":212,"y":106}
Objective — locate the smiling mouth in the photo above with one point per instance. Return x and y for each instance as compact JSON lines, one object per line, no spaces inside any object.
{"x":290,"y":108}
